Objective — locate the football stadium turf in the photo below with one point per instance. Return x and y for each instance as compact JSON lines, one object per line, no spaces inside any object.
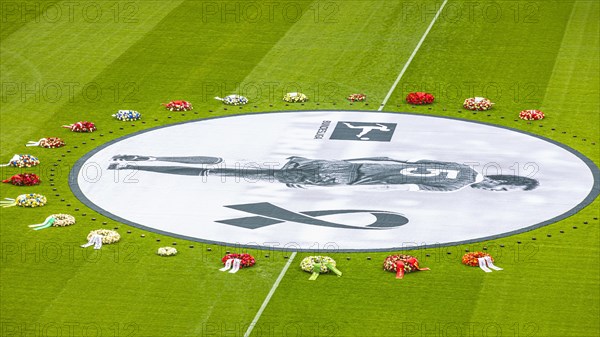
{"x":62,"y":62}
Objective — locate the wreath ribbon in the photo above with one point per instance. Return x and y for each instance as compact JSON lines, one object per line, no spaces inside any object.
{"x":33,"y":143}
{"x":95,"y":240}
{"x":487,"y":260}
{"x":47,"y":223}
{"x":333,"y":269}
{"x":233,"y":264}
{"x":400,"y":267}
{"x":14,"y":158}
{"x":317,"y":270}
{"x":8,"y":202}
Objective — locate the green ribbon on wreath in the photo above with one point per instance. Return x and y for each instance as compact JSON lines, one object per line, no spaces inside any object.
{"x":47,"y":223}
{"x":331,"y":267}
{"x":315,"y":272}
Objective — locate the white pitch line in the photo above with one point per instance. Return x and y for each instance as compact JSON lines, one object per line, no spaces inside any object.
{"x":266,"y":301}
{"x":389,"y":94}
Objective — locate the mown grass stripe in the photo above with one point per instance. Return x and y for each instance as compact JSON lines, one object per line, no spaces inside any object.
{"x":269,"y":295}
{"x":391,"y":91}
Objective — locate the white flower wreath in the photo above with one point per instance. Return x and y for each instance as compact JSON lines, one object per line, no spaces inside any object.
{"x":167,"y":251}
{"x":108,"y":236}
{"x":127,"y":115}
{"x":63,"y":220}
{"x":477,"y":104}
{"x":233,"y":100}
{"x":295,"y":97}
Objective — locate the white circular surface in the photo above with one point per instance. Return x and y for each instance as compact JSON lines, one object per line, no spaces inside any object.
{"x":191,"y":206}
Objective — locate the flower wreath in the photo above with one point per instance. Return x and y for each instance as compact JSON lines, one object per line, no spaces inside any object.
{"x":357,"y":98}
{"x":23,"y":179}
{"x":167,"y":251}
{"x":178,"y":106}
{"x":83,"y":126}
{"x":419,"y":98}
{"x":401,"y":264}
{"x":247,"y":259}
{"x":477,"y":104}
{"x":531,"y":115}
{"x":22,"y":160}
{"x":233,"y":100}
{"x":49,"y":143}
{"x":108,"y":236}
{"x":25,"y":200}
{"x":127,"y":115}
{"x":319,"y":264}
{"x":295,"y":97}
{"x":470,"y":259}
{"x":55,"y":220}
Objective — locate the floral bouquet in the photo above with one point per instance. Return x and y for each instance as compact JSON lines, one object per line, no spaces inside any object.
{"x":83,"y":126}
{"x":49,"y":143}
{"x":531,"y":115}
{"x":319,"y":264}
{"x":401,"y":264}
{"x":127,"y":115}
{"x":233,"y":100}
{"x":419,"y":98}
{"x":357,"y":98}
{"x":23,"y":179}
{"x":56,"y":220}
{"x":470,"y":259}
{"x":167,"y":251}
{"x":22,"y":160}
{"x":25,"y":200}
{"x":477,"y":104}
{"x":295,"y":97}
{"x":178,"y":106}
{"x":247,"y":260}
{"x":108,"y":236}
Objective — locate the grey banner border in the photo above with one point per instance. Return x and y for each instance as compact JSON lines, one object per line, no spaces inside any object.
{"x":595,"y":191}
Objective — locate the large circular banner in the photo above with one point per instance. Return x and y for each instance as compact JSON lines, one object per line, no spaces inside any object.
{"x":335,"y":180}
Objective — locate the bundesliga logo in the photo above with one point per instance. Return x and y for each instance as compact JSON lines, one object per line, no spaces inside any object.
{"x":379,"y":132}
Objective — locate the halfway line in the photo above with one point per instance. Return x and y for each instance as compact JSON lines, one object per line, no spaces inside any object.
{"x":266,"y":301}
{"x":389,"y":94}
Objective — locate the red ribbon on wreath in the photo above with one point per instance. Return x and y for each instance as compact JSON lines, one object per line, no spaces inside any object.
{"x":402,"y":264}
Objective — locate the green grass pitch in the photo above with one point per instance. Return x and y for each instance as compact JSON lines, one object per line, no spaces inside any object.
{"x":63,"y":61}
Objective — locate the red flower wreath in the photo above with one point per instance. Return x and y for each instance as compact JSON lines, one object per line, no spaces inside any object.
{"x":401,"y":264}
{"x":52,"y":142}
{"x":49,"y":143}
{"x":470,"y":259}
{"x":531,"y":115}
{"x":178,"y":106}
{"x":247,"y":259}
{"x":357,"y":97}
{"x":477,"y":104}
{"x":83,"y":126}
{"x":23,"y":179}
{"x":419,"y":98}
